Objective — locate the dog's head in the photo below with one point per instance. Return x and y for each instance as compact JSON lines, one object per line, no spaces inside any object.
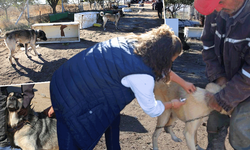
{"x":41,"y":35}
{"x":14,"y":102}
{"x":14,"y":105}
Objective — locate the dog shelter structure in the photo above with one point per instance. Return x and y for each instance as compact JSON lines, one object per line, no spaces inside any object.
{"x":86,"y":19}
{"x":65,"y":32}
{"x":61,"y":32}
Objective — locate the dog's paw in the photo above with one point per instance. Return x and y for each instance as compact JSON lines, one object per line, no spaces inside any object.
{"x":39,"y":55}
{"x":176,"y":139}
{"x":29,"y":57}
{"x":197,"y":147}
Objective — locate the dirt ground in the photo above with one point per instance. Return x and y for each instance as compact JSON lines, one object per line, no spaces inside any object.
{"x":136,"y":127}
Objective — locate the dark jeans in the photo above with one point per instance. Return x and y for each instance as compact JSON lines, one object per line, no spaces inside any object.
{"x":239,"y":134}
{"x":217,"y":126}
{"x":239,"y":131}
{"x":67,"y":142}
{"x":112,"y":135}
{"x":160,"y":14}
{"x":3,"y":137}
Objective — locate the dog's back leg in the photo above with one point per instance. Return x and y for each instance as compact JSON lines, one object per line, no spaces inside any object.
{"x":26,"y":50}
{"x":190,"y":133}
{"x":161,"y":122}
{"x":11,"y":46}
{"x":169,"y":128}
{"x":104,"y":23}
{"x":116,"y":24}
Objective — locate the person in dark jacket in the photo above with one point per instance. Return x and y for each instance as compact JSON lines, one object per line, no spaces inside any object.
{"x":158,"y":7}
{"x":90,"y":89}
{"x":226,"y":52}
{"x":28,"y":94}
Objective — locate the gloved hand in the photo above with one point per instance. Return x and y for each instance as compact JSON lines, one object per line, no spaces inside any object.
{"x":211,"y":102}
{"x":221,"y":81}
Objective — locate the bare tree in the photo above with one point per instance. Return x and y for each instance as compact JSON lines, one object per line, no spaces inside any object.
{"x":5,"y":4}
{"x":172,"y":6}
{"x":20,"y":4}
{"x":53,"y":4}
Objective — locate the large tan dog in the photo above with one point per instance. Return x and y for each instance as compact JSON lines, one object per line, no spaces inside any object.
{"x":23,"y":37}
{"x":111,"y":17}
{"x":35,"y":131}
{"x":193,"y":113}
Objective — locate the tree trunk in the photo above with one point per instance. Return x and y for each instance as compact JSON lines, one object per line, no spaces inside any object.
{"x":6,"y":14}
{"x":172,"y":14}
{"x":54,"y":9}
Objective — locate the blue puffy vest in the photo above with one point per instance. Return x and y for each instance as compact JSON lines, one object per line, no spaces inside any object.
{"x":87,"y":89}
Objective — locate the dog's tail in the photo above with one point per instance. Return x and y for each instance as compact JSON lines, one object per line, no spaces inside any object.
{"x":5,"y":36}
{"x":2,"y":38}
{"x":101,"y":13}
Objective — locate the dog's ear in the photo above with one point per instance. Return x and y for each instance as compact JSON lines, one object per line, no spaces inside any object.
{"x":11,"y":94}
{"x":42,"y":35}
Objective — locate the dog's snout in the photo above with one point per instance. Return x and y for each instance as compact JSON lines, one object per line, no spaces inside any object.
{"x":12,"y":98}
{"x":12,"y":104}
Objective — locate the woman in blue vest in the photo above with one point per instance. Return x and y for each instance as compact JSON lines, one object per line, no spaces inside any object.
{"x":90,"y":89}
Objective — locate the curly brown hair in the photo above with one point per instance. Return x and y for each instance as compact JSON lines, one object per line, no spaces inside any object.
{"x":157,"y":48}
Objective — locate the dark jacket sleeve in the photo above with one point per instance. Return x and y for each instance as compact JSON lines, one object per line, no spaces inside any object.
{"x":28,"y":94}
{"x":214,"y":68}
{"x":237,"y":89}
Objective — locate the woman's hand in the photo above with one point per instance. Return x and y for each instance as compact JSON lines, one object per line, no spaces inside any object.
{"x":176,"y":103}
{"x":49,"y":112}
{"x":189,"y":87}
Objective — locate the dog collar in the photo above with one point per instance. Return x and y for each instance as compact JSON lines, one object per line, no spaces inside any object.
{"x":196,"y":118}
{"x":18,"y":126}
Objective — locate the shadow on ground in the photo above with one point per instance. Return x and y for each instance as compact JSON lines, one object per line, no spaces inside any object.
{"x":131,"y":124}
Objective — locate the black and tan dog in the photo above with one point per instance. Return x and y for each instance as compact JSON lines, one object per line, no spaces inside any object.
{"x":111,"y":17}
{"x":35,"y":131}
{"x":25,"y":37}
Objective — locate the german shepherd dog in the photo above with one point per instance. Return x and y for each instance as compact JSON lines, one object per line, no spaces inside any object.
{"x":194,"y":112}
{"x":111,"y":17}
{"x":35,"y":131}
{"x":25,"y":37}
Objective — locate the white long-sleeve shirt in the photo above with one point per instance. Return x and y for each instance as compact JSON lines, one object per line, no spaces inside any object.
{"x":143,"y":87}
